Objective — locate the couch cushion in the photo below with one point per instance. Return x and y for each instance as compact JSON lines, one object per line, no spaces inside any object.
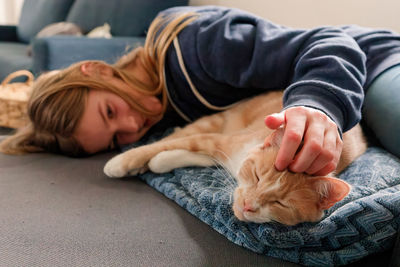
{"x":13,"y":56}
{"x":126,"y":17}
{"x":36,"y":14}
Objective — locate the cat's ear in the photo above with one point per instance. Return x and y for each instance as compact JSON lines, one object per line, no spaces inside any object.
{"x":331,"y":190}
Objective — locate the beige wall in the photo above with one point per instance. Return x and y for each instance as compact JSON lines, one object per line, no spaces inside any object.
{"x":295,"y":13}
{"x":9,"y":11}
{"x":309,"y":13}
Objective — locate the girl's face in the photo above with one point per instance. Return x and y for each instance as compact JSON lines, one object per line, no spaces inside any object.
{"x":109,"y":121}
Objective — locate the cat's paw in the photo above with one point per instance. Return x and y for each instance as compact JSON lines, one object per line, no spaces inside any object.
{"x":160,"y":163}
{"x":116,"y":168}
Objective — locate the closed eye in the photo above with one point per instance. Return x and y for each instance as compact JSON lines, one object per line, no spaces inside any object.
{"x":277,"y":202}
{"x":109,"y":112}
{"x":256,"y":176}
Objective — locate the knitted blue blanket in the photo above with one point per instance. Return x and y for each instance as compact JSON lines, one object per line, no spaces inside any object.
{"x":365,"y":222}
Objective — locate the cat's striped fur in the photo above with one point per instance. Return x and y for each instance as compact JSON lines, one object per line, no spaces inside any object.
{"x":235,"y":139}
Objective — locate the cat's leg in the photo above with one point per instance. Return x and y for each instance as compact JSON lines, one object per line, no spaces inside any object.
{"x":135,"y":160}
{"x":166,"y":161}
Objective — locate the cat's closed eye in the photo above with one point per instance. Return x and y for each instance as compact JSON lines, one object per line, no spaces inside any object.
{"x":279,"y":203}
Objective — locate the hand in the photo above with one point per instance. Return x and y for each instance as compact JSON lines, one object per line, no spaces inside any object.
{"x":322,"y":144}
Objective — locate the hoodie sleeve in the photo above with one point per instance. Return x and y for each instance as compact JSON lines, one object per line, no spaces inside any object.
{"x":321,"y":68}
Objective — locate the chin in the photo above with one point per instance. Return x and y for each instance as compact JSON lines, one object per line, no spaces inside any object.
{"x":252,"y":218}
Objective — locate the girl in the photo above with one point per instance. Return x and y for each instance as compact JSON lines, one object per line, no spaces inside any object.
{"x":200,"y":60}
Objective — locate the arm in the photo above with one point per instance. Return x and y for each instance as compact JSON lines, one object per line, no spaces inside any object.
{"x":321,"y":69}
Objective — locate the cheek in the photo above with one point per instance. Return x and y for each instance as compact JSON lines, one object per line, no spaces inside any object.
{"x":238,"y":197}
{"x":308,"y":211}
{"x":279,"y":214}
{"x":151,"y":103}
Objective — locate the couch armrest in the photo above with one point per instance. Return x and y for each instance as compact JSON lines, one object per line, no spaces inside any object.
{"x":8,"y":33}
{"x":61,"y":51}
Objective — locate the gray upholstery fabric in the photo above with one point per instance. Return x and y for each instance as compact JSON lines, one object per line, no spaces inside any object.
{"x":36,"y":14}
{"x":13,"y":57}
{"x":137,"y":14}
{"x":58,"y":211}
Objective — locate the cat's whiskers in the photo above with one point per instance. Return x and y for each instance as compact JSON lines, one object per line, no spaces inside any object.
{"x":228,"y":178}
{"x":219,"y":189}
{"x":226,"y":188}
{"x":223,"y":164}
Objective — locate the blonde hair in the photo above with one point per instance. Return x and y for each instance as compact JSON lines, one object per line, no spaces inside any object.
{"x":58,"y":99}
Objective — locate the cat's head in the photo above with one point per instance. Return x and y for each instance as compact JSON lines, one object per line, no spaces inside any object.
{"x":265,"y":194}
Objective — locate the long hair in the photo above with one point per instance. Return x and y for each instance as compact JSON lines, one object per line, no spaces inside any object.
{"x":59,"y":98}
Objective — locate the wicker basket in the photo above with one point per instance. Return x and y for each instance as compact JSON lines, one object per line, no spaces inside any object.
{"x":13,"y":100}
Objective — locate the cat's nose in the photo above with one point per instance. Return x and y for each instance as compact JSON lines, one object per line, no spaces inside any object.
{"x":248,"y":206}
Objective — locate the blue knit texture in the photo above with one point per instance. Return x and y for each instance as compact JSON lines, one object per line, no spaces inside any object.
{"x":365,"y":222}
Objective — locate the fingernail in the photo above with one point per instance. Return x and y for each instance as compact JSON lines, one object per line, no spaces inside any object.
{"x":279,"y":169}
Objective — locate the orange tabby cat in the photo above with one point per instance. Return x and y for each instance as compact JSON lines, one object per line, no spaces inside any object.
{"x":235,"y":138}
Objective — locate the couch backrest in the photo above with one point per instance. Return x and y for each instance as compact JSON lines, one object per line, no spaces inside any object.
{"x":126,"y":17}
{"x":36,"y":14}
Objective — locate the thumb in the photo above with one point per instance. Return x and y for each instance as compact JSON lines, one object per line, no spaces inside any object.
{"x":275,"y":120}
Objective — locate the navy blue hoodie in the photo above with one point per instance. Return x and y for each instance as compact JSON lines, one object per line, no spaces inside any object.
{"x":226,"y":55}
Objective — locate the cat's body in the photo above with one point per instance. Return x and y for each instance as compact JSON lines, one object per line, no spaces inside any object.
{"x":235,"y":138}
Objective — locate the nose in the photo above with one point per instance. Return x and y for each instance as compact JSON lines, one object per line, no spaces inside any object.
{"x":126,"y":129}
{"x":128,"y":124}
{"x":248,"y":206}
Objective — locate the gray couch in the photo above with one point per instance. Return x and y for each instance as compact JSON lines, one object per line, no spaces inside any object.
{"x":59,"y":211}
{"x":129,"y":20}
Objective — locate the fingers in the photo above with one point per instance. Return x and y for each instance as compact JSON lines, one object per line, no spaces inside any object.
{"x":331,"y":166}
{"x":322,"y":146}
{"x":310,"y":154}
{"x":292,"y":138}
{"x":275,"y":120}
{"x":328,"y":155}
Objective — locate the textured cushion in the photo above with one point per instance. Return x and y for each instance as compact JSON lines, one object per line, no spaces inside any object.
{"x":13,"y":56}
{"x":36,"y":14}
{"x":364,"y":223}
{"x":134,"y":16}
